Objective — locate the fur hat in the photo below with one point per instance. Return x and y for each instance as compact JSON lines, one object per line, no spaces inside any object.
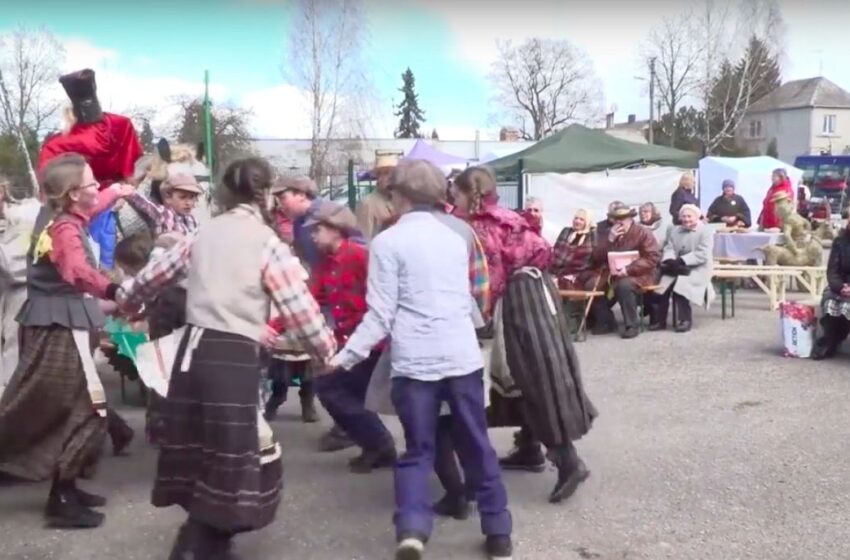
{"x":335,"y":215}
{"x":82,"y":91}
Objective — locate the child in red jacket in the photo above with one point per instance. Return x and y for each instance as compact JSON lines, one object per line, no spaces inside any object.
{"x":339,"y":285}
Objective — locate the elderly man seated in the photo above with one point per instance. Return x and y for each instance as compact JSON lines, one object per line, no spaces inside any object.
{"x":730,"y":208}
{"x":630,"y":277}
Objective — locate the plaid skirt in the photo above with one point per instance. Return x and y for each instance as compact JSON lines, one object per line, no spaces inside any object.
{"x":210,"y":458}
{"x":48,"y":425}
{"x":542,"y":363}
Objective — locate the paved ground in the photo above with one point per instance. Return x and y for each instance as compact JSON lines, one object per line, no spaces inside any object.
{"x":709,"y":446}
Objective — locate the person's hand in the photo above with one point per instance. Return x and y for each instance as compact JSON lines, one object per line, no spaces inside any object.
{"x":620,"y":272}
{"x":108,"y":307}
{"x":616,"y":231}
{"x":123,"y":189}
{"x":269,"y":337}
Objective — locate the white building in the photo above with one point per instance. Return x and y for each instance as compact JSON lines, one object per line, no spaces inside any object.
{"x":803,"y":117}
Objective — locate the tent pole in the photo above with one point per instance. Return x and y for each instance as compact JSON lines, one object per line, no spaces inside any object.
{"x":519,"y":196}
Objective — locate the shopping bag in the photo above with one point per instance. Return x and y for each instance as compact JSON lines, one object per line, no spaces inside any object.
{"x":798,"y":328}
{"x":155,"y":359}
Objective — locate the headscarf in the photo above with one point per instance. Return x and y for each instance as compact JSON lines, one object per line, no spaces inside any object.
{"x":588,"y":225}
{"x":691,"y":208}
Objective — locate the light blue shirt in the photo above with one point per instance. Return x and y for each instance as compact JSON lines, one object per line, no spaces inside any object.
{"x":418,"y":294}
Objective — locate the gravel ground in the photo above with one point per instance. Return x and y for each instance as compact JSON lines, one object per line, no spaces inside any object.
{"x":709,"y":445}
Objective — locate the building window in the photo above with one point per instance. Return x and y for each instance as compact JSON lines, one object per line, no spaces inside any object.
{"x":755,"y":129}
{"x":829,"y":122}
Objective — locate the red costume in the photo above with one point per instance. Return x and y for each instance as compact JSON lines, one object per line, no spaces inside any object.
{"x":768,"y":218}
{"x":110,"y":146}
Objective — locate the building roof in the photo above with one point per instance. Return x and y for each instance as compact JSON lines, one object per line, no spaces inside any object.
{"x":797,"y":94}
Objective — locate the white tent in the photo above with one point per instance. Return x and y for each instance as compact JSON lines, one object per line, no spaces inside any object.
{"x":563,"y":194}
{"x":751,"y":176}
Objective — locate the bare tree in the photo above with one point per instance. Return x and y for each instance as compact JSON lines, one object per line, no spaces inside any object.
{"x":30,"y":60}
{"x":230,"y":129}
{"x":324,"y":60}
{"x":544,"y":84}
{"x":727,"y":89}
{"x":676,"y":58}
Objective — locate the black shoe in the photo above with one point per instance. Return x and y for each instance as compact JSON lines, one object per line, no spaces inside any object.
{"x":88,"y":499}
{"x":630,"y":332}
{"x":657,"y":327}
{"x":526,"y":458}
{"x":499,"y":547}
{"x":64,"y":511}
{"x":196,"y":541}
{"x":452,"y":506}
{"x":683,"y":326}
{"x":569,"y":477}
{"x":335,"y":440}
{"x":411,"y":546}
{"x":824,"y":350}
{"x":368,"y":461}
{"x":308,"y":411}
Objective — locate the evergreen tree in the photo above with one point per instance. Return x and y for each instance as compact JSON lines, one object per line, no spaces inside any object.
{"x":411,"y":116}
{"x":434,"y":135}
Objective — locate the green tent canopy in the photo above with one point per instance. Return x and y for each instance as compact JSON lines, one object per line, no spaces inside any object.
{"x":578,"y":149}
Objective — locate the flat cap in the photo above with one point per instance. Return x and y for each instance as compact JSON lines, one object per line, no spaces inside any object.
{"x":335,"y":215}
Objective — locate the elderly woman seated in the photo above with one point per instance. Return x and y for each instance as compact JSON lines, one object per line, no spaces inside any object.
{"x":571,"y":254}
{"x":686,"y":263}
{"x":836,"y":300}
{"x":651,"y":219}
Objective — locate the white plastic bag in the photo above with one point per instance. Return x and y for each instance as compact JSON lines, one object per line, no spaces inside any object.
{"x":798,"y":328}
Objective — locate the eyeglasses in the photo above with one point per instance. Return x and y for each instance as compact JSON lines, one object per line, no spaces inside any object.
{"x":87,"y":186}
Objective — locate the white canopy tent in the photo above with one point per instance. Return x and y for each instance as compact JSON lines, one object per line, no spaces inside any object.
{"x":751,"y":176}
{"x":563,"y":194}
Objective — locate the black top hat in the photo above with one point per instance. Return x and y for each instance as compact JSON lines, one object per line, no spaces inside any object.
{"x":82,"y":91}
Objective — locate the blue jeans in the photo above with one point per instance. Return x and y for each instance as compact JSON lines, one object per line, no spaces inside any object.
{"x":343,"y":394}
{"x":418,"y":406}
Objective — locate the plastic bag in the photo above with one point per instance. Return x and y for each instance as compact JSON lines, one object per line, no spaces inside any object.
{"x":798,"y":328}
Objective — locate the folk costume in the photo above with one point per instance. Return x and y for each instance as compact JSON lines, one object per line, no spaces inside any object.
{"x":835,"y":304}
{"x":218,"y":458}
{"x":56,"y":373}
{"x":768,"y":219}
{"x":108,"y":142}
{"x":536,"y":376}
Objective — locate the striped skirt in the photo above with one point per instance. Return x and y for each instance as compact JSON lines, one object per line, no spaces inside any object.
{"x":48,"y":424}
{"x":542,"y":363}
{"x":210,"y":458}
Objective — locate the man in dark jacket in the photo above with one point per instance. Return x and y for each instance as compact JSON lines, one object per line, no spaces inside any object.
{"x":629,"y":280}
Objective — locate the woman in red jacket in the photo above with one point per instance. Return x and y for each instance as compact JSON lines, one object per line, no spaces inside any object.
{"x":781,"y":183}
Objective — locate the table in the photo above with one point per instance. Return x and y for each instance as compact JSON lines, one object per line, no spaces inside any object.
{"x":743,"y":246}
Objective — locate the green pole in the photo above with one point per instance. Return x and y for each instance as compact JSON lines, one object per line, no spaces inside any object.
{"x":519,"y":197}
{"x":208,"y":132}
{"x":352,"y":190}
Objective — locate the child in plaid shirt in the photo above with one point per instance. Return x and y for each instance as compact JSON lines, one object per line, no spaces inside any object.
{"x":339,"y":285}
{"x":180,"y":194}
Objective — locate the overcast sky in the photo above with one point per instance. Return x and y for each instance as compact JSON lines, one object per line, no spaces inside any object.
{"x":147,"y":52}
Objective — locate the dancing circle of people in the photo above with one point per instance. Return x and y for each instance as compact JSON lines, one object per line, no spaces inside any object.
{"x":431,"y":302}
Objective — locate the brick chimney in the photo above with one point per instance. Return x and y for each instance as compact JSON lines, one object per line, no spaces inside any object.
{"x":609,"y":120}
{"x":632,"y":119}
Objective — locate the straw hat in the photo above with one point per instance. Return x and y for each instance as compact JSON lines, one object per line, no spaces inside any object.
{"x":386,"y":160}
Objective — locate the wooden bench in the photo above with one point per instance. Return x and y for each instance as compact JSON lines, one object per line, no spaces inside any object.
{"x":772,"y":280}
{"x":579,"y":315}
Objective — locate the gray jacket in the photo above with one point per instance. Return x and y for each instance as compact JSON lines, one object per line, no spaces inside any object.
{"x":696,"y":249}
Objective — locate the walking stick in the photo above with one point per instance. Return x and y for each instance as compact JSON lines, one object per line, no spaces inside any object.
{"x":589,"y":303}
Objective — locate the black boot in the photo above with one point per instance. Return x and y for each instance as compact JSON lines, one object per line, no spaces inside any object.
{"x":272,"y":405}
{"x":824,"y":349}
{"x":308,"y":403}
{"x":88,"y":499}
{"x":64,"y":510}
{"x":526,"y":457}
{"x":452,"y":506}
{"x":196,"y":541}
{"x":571,"y":472}
{"x":370,"y":460}
{"x":335,"y":439}
{"x":119,"y":431}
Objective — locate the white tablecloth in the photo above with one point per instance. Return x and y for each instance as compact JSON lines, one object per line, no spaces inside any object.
{"x":743,"y":246}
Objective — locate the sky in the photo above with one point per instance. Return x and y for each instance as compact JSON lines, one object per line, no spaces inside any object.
{"x":146,"y":53}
